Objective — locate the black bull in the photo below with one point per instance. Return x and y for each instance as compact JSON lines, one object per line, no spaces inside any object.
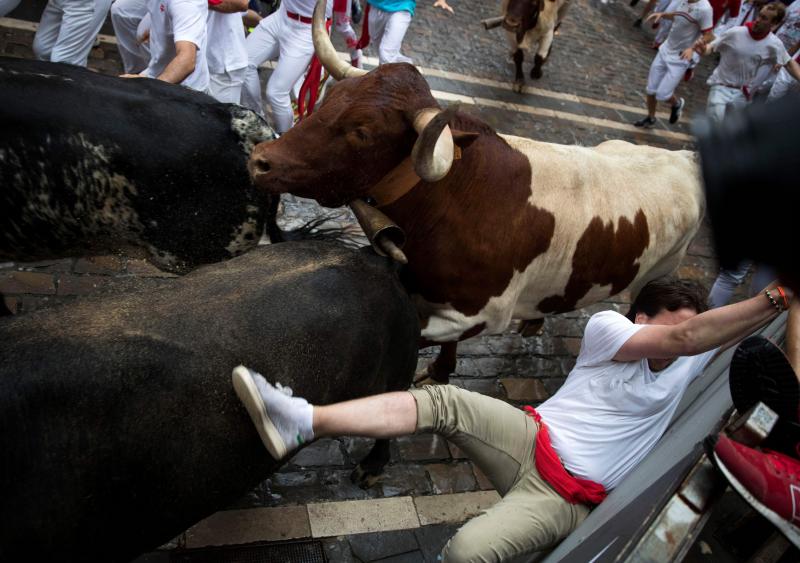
{"x":94,"y":163}
{"x":120,"y":427}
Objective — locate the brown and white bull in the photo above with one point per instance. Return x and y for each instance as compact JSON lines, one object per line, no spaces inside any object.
{"x":497,"y":226}
{"x":530,"y":26}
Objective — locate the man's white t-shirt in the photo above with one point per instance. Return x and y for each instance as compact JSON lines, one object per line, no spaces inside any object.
{"x":178,"y":20}
{"x":745,"y":61}
{"x":608,"y":415}
{"x":305,"y":7}
{"x":691,"y":20}
{"x":226,"y":49}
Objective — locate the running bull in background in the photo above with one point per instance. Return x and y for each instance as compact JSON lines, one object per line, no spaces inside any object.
{"x":119,"y":426}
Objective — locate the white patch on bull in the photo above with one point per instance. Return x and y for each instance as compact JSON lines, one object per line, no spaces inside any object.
{"x":165,"y":260}
{"x":245,"y":236}
{"x":614,"y":180}
{"x":99,"y":198}
{"x":250,"y":128}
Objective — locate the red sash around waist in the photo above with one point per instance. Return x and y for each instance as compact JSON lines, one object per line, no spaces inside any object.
{"x":549,"y":466}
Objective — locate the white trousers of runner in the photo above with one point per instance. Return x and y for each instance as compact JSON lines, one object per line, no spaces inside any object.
{"x":226,"y":86}
{"x":125,"y":17}
{"x":289,"y":41}
{"x":386,"y":31}
{"x":67,"y":30}
{"x":666,"y":73}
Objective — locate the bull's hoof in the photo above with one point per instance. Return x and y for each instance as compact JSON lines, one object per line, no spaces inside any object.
{"x":365,"y":478}
{"x":536,"y":72}
{"x":518,"y":86}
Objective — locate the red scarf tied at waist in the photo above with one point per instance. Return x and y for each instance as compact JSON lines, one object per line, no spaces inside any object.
{"x":549,"y":466}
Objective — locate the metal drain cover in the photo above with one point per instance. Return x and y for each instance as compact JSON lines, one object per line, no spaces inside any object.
{"x":288,"y":552}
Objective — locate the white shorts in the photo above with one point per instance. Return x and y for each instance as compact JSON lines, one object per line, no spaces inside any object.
{"x":722,"y":99}
{"x":666,"y":72}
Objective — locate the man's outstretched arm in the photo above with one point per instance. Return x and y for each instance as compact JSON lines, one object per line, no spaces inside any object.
{"x":703,"y":332}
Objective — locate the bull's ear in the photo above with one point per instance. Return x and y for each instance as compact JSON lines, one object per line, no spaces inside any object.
{"x":464,"y":139}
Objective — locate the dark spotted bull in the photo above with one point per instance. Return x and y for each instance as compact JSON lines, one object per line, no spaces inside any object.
{"x":92,"y":163}
{"x":530,"y":26}
{"x":502,"y":227}
{"x":119,"y":427}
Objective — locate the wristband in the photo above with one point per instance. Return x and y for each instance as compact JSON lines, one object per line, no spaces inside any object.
{"x":772,"y":300}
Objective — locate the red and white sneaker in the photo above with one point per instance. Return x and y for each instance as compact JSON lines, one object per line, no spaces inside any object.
{"x":769,"y":481}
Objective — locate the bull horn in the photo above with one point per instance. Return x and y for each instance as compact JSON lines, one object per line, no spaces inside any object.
{"x":491,"y":23}
{"x":326,"y":54}
{"x":384,"y":235}
{"x":432,"y":154}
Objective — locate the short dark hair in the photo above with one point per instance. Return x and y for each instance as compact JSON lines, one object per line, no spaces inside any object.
{"x":671,"y":294}
{"x":779,"y":11}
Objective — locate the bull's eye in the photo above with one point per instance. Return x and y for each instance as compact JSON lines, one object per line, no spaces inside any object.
{"x":358,"y":136}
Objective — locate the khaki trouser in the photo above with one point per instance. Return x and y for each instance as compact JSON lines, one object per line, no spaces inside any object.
{"x":499,"y":439}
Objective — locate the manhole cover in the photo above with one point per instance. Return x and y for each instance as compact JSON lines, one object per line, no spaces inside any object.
{"x":291,"y":552}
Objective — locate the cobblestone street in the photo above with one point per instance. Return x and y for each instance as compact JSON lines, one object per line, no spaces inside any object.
{"x":591,"y":91}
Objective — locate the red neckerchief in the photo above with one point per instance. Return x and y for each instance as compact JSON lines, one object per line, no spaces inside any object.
{"x":549,"y":466}
{"x":753,"y":34}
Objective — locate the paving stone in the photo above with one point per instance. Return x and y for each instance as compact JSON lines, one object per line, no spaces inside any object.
{"x":432,"y":539}
{"x":292,"y":487}
{"x":421,"y":447}
{"x":337,"y":550}
{"x":379,"y":546}
{"x":405,"y":479}
{"x":361,"y":516}
{"x":357,"y":449}
{"x":410,"y":557}
{"x":335,"y":484}
{"x":483,"y":481}
{"x":524,"y":389}
{"x":451,"y":509}
{"x":231,"y":527}
{"x":322,"y":452}
{"x":449,"y":478}
{"x":455,"y":451}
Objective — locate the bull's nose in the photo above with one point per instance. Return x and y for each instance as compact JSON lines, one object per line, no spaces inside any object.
{"x":258,"y":165}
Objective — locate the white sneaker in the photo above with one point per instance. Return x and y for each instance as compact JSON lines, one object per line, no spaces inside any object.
{"x":283,"y":422}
